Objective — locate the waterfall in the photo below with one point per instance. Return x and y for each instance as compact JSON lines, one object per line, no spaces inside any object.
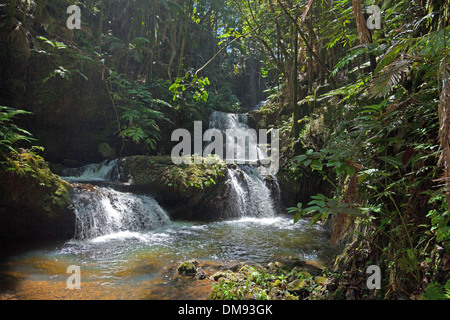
{"x":101,"y":211}
{"x":250,"y":193}
{"x":92,"y":172}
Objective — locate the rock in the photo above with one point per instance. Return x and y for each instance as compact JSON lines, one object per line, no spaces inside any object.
{"x":201,"y":275}
{"x":279,"y":264}
{"x":187,"y":268}
{"x":219,"y":274}
{"x":227,"y":275}
{"x":320,"y":280}
{"x":187,"y":191}
{"x":304,"y":274}
{"x":237,"y":267}
{"x":299,"y":286}
{"x":246,"y":270}
{"x":277,"y":283}
{"x":35,"y":203}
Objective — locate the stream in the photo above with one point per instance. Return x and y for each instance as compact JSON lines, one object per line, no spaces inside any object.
{"x":142,"y":265}
{"x":127,"y":247}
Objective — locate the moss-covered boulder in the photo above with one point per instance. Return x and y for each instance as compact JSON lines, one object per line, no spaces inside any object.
{"x":34,"y":203}
{"x":188,"y":268}
{"x":187,"y":191}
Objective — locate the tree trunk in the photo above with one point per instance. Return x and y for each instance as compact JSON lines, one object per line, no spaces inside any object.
{"x":184,"y":36}
{"x":40,"y":5}
{"x":100,"y":28}
{"x":297,"y":114}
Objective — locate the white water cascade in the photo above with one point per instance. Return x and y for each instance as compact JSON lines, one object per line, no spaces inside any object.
{"x":91,"y":172}
{"x":102,"y":211}
{"x":250,"y":194}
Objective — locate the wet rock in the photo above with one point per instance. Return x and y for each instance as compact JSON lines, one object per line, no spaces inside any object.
{"x":279,"y":264}
{"x":188,"y":268}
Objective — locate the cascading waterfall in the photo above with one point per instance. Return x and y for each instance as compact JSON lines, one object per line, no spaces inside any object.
{"x":102,"y":210}
{"x":92,"y":172}
{"x":250,"y":194}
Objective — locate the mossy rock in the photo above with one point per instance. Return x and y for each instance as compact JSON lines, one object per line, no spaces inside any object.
{"x":320,"y":280}
{"x":145,"y":171}
{"x":187,"y":268}
{"x":34,"y":202}
{"x":299,"y":284}
{"x":186,"y":190}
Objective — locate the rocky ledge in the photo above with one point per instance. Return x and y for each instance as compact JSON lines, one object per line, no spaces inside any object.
{"x":186,"y":191}
{"x":34,"y":203}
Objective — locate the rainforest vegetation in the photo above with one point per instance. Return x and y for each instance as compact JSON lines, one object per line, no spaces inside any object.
{"x":361,"y":96}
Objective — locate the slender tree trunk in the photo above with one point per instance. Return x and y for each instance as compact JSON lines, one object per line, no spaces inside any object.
{"x":297,"y":113}
{"x":12,"y":14}
{"x":363,"y":32}
{"x":184,"y":36}
{"x":100,"y":27}
{"x":40,"y":5}
{"x":444,"y":115}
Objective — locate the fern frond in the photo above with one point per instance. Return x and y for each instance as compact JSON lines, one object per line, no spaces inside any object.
{"x":385,"y":81}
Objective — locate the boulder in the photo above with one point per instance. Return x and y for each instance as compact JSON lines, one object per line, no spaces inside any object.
{"x":188,"y":268}
{"x":186,"y":191}
{"x":35,"y":204}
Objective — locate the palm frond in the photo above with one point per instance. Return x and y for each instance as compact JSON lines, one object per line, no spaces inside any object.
{"x":385,"y":81}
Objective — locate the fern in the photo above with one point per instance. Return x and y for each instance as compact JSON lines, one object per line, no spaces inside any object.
{"x":11,"y":134}
{"x":384,"y":82}
{"x":437,"y":291}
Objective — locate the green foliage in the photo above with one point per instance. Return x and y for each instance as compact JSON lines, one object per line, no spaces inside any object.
{"x":439,"y":218}
{"x":382,"y":156}
{"x":199,"y":176}
{"x":139,"y":111}
{"x":436,"y":291}
{"x":10,"y":134}
{"x":198,"y":85}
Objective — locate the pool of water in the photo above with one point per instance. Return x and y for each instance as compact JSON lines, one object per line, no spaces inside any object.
{"x":143,"y":265}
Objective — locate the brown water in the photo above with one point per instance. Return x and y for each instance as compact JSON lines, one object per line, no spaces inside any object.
{"x":143,"y":265}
